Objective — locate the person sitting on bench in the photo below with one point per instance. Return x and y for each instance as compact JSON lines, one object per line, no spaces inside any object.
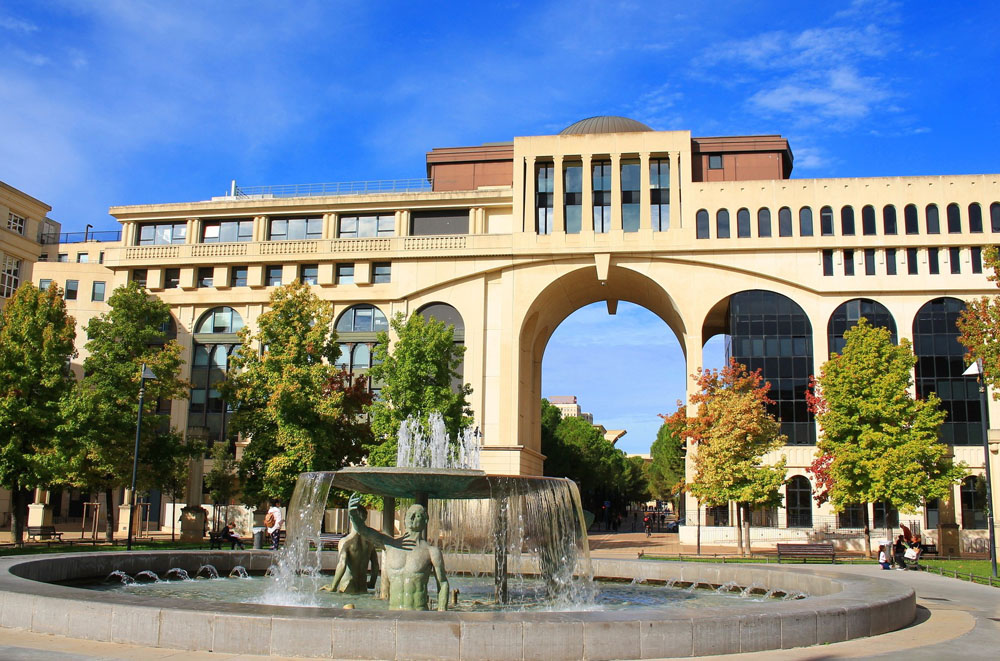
{"x":229,"y":536}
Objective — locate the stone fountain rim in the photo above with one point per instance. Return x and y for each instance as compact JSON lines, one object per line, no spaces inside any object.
{"x":440,"y":483}
{"x":845,"y":607}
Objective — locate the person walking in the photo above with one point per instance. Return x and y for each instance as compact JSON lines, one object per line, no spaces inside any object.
{"x":273,"y":520}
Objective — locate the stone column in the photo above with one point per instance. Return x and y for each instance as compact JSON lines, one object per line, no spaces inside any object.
{"x":587,"y":203}
{"x":558,"y":219}
{"x":530,"y":215}
{"x":616,"y":192}
{"x":193,"y":515}
{"x":193,"y":230}
{"x":645,"y":219}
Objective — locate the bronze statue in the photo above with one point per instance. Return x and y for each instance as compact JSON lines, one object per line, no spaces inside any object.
{"x":355,"y":553}
{"x":409,"y":560}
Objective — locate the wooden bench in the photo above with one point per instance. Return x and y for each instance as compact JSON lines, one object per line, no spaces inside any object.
{"x":215,"y":540}
{"x":929,"y":549}
{"x":807,"y":551}
{"x":329,"y":540}
{"x":47,"y":533}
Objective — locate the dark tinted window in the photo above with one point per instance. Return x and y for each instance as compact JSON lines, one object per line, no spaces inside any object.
{"x":743,"y":223}
{"x":976,"y":255}
{"x":954,"y":219}
{"x":890,"y":261}
{"x":975,"y":218}
{"x":933,"y":221}
{"x":763,"y":222}
{"x":805,"y":221}
{"x":701,"y":224}
{"x":784,"y":221}
{"x":910,"y":219}
{"x":722,"y":224}
{"x":848,"y":262}
{"x":932,"y":261}
{"x":827,"y":262}
{"x":911,"y":261}
{"x":826,"y":221}
{"x":889,"y":219}
{"x":847,"y":221}
{"x":846,"y":316}
{"x":869,"y":261}
{"x":955,"y":259}
{"x":868,"y":220}
{"x":444,"y":221}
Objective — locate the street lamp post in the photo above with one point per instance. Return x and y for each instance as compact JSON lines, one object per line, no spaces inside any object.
{"x":146,"y":374}
{"x":976,"y":369}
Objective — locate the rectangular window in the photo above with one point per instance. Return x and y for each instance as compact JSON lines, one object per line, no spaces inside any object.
{"x":911,"y":261}
{"x":573,"y":197}
{"x":848,"y":262}
{"x":955,"y":259}
{"x":659,"y":194}
{"x":97,"y":291}
{"x":82,"y":258}
{"x":140,"y":276}
{"x":309,"y":274}
{"x":715,"y":161}
{"x":630,"y":174}
{"x":296,"y":229}
{"x":601,"y":183}
{"x":44,"y":284}
{"x":345,"y":274}
{"x":932,"y":261}
{"x":890,"y":261}
{"x":869,"y":261}
{"x":439,"y":222}
{"x":44,"y":257}
{"x":827,"y":262}
{"x":381,"y":272}
{"x":62,"y":257}
{"x":354,"y":227}
{"x":227,"y":231}
{"x":238,"y":276}
{"x":72,"y":287}
{"x":206,"y":276}
{"x":272,"y":276}
{"x":10,"y":276}
{"x":171,"y":278}
{"x":543,"y":198}
{"x":100,"y":257}
{"x":977,"y":259}
{"x":155,"y":234}
{"x":15,"y":223}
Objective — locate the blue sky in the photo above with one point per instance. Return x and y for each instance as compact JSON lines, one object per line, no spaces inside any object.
{"x":131,"y":102}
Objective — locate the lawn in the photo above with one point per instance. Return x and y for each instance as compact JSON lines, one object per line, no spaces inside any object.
{"x":166,"y":545}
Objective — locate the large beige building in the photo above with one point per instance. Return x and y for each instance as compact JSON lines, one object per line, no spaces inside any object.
{"x":507,"y":239}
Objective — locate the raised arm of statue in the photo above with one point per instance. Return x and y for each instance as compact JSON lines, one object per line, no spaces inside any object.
{"x":442,"y":579}
{"x":377,"y":538}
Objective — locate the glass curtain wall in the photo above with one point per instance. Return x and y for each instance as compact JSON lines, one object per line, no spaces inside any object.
{"x":846,"y":316}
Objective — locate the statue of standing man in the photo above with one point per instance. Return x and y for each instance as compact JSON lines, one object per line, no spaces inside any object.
{"x":409,"y":560}
{"x":355,"y":553}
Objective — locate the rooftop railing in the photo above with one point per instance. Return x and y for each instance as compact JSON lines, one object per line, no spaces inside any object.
{"x":338,"y":188}
{"x":103,"y":236}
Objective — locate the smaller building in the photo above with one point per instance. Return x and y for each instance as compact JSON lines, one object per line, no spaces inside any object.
{"x":24,"y":230}
{"x":569,"y":408}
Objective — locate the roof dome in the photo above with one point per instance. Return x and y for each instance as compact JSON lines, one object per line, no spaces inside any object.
{"x":605,"y":124}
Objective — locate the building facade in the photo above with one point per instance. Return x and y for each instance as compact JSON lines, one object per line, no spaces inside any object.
{"x":508,"y":239}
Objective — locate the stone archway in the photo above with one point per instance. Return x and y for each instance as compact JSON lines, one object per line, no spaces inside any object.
{"x":575,"y":288}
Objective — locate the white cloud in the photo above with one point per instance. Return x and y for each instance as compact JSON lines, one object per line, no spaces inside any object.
{"x":841,"y":94}
{"x":17,"y":25}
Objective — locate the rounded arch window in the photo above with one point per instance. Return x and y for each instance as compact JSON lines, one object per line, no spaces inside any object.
{"x":219,"y":321}
{"x":444,"y":313}
{"x":798,"y":495}
{"x":940,"y":364}
{"x":846,"y":316}
{"x":771,"y":332}
{"x":363,"y":318}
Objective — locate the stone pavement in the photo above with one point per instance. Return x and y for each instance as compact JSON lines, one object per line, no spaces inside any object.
{"x":956,"y":620}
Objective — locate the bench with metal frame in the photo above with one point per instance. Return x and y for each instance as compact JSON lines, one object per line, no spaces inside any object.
{"x":807,"y":551}
{"x":44,"y":533}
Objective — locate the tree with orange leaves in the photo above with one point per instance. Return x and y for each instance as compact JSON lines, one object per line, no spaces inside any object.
{"x":733,"y":430}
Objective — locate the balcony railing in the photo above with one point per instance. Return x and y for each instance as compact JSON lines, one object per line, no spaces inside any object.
{"x":338,"y":188}
{"x":103,"y":236}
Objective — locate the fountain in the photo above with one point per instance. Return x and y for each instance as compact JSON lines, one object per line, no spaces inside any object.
{"x":520,"y":534}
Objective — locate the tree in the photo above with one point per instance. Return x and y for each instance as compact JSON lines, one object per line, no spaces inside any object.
{"x":101,"y":414}
{"x":221,"y":480}
{"x":733,"y":431}
{"x":666,"y":470}
{"x":978,"y":325}
{"x":883,"y":442}
{"x":417,"y":378}
{"x":36,"y":344}
{"x":635,"y":488}
{"x":300,"y":412}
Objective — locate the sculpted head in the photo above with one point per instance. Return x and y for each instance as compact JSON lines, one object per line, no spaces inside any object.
{"x":416,"y":518}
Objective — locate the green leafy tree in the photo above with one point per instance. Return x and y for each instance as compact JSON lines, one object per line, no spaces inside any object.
{"x":733,"y":431}
{"x":101,"y":414}
{"x":635,"y":488}
{"x":666,"y":470}
{"x":883,"y":442}
{"x":300,"y":412}
{"x":36,"y":344}
{"x":221,"y":479}
{"x":417,"y":377}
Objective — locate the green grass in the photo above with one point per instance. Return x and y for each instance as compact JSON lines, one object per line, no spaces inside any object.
{"x":980,"y":569}
{"x":166,"y":545}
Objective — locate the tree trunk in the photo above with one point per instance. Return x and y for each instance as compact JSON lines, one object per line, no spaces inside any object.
{"x":19,"y":512}
{"x":109,"y":516}
{"x":699,"y":528}
{"x":746,"y":526}
{"x":739,"y":528}
{"x":868,"y":531}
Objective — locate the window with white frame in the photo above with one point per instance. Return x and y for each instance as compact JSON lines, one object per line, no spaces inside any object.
{"x":15,"y":223}
{"x":10,"y":276}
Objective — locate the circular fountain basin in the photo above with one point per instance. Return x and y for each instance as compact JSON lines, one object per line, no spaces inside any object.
{"x":839,"y":608}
